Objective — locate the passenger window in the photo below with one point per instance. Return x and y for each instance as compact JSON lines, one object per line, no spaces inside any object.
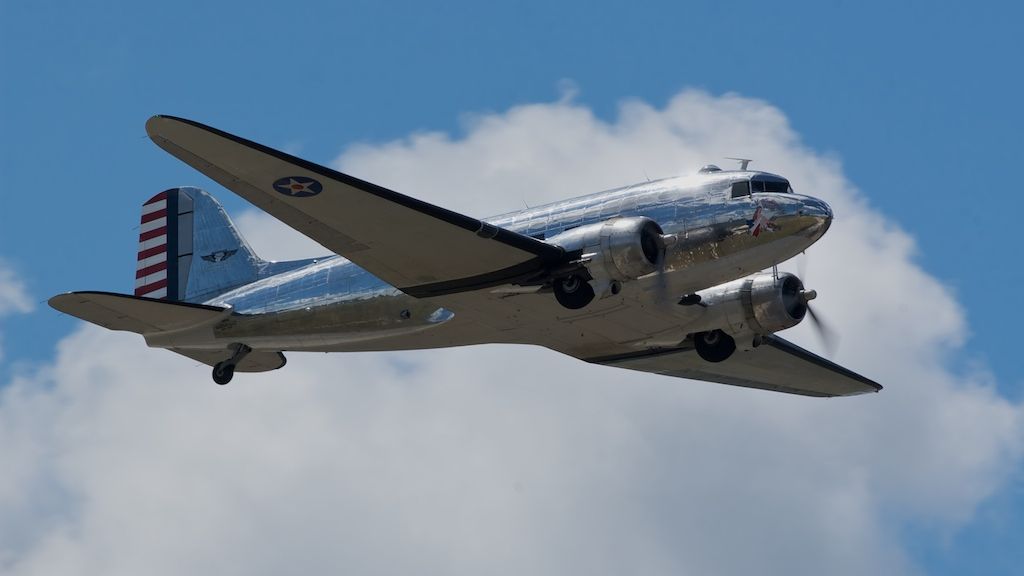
{"x":758,"y":185}
{"x":740,"y":189}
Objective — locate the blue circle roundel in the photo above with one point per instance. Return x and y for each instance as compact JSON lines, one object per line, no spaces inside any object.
{"x":298,"y":186}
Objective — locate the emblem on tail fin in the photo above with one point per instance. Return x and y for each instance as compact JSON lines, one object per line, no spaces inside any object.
{"x":220,"y":255}
{"x":298,"y":186}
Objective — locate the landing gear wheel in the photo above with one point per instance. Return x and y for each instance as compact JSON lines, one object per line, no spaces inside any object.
{"x":714,"y":346}
{"x":573,"y":292}
{"x":223,"y":372}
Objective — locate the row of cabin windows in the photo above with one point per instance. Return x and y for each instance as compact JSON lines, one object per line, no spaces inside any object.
{"x":740,"y":189}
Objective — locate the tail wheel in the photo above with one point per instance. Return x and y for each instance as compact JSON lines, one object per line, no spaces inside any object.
{"x":714,"y":345}
{"x":223,"y":372}
{"x":573,"y":292}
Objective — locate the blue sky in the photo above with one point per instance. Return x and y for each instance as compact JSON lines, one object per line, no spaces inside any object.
{"x":920,"y":104}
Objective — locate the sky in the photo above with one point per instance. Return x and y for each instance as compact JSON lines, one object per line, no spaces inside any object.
{"x":118,"y":458}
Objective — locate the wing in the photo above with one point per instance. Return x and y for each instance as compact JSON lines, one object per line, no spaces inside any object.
{"x":422,"y":249}
{"x":776,"y":365}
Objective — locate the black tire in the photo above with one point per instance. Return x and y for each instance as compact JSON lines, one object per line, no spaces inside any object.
{"x":573,"y":292}
{"x":714,"y":346}
{"x":223,"y":373}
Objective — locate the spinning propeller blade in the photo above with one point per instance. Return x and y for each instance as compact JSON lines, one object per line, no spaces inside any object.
{"x":829,"y":338}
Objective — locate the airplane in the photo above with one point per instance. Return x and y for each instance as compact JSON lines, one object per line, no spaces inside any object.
{"x":667,"y":276}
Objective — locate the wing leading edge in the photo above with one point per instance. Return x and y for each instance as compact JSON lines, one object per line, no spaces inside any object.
{"x":422,"y":249}
{"x":777,"y":365}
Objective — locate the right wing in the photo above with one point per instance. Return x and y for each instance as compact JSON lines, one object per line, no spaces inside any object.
{"x":777,"y":365}
{"x":422,"y":249}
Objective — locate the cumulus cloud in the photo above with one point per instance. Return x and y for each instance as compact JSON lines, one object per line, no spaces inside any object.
{"x":13,"y":294}
{"x":14,"y":298}
{"x":504,"y":459}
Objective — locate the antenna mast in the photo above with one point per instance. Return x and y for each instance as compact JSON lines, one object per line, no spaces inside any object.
{"x":744,"y":162}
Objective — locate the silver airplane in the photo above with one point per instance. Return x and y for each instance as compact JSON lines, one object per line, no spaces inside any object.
{"x":664,"y":276}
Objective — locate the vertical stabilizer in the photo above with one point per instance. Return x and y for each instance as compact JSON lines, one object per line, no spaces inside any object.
{"x":189,"y":250}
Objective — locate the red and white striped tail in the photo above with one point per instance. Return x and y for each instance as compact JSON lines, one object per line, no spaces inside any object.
{"x":151,"y":273}
{"x":178,"y":224}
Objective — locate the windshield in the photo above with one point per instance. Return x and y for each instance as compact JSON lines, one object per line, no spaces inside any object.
{"x":740,"y":189}
{"x":779,"y":186}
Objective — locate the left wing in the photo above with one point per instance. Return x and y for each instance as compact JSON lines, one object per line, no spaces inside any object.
{"x":777,"y":365}
{"x":422,"y":249}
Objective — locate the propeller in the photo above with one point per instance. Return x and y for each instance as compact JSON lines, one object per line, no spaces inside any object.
{"x":828,"y":337}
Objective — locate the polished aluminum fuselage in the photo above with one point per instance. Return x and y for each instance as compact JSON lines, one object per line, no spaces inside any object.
{"x":333,"y":305}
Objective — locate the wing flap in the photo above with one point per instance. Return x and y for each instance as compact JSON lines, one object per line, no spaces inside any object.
{"x":420,"y":248}
{"x":777,"y":365}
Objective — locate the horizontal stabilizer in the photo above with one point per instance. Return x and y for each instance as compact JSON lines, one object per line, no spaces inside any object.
{"x":134,"y":313}
{"x":776,"y":365}
{"x":148,"y":316}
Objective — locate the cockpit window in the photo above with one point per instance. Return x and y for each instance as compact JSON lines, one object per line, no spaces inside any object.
{"x":740,"y":189}
{"x":777,"y":186}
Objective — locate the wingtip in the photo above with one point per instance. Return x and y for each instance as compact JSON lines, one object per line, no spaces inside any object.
{"x":873,"y":388}
{"x":154,"y":123}
{"x":57,"y":301}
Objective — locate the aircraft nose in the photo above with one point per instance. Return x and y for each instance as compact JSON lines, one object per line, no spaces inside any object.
{"x":815,"y":207}
{"x":818,"y":210}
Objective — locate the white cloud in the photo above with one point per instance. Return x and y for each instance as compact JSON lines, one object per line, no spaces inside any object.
{"x":272,"y":239}
{"x":499,"y":459}
{"x":14,"y":297}
{"x":13,"y":294}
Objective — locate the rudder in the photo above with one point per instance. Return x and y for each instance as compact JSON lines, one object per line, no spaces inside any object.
{"x":157,"y":270}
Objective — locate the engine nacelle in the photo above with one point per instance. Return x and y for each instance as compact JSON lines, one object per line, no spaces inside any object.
{"x":758,"y":304}
{"x":619,"y":249}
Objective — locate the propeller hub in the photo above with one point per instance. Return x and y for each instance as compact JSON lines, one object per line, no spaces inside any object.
{"x":792,"y":292}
